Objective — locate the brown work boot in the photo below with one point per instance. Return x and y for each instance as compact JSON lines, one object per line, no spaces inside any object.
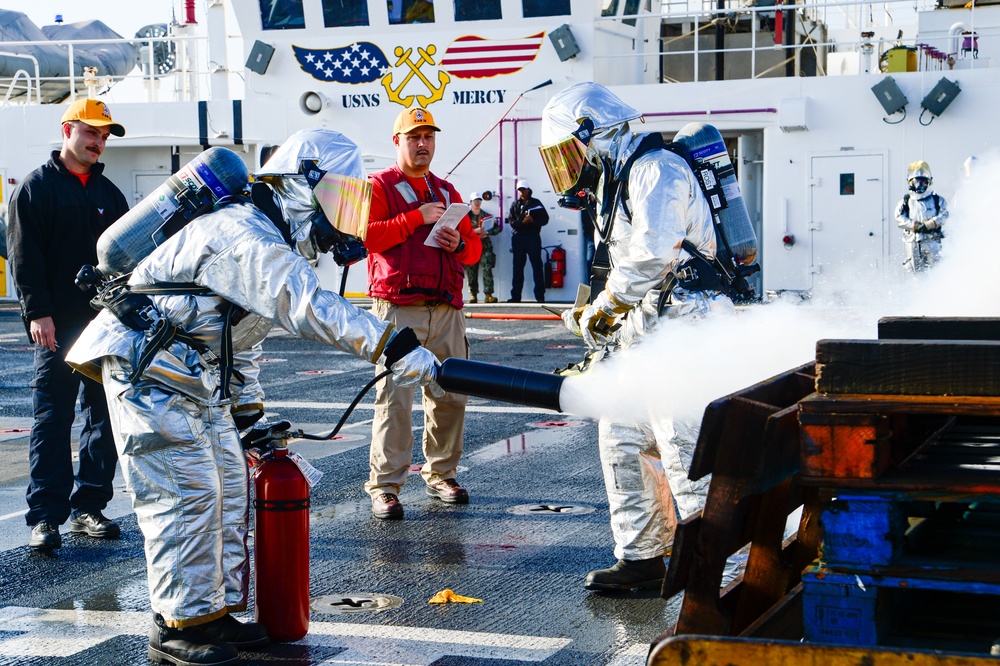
{"x":473,"y":300}
{"x":448,"y":491}
{"x":387,"y":507}
{"x":490,"y":298}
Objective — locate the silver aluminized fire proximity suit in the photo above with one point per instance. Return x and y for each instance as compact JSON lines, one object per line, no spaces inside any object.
{"x":179,"y":447}
{"x":921,"y":214}
{"x":667,"y":206}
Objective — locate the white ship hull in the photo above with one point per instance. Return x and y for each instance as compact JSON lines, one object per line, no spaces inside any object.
{"x":818,"y":162}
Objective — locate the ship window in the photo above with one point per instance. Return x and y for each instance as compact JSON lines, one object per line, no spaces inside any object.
{"x":339,"y":13}
{"x":536,"y":8}
{"x":632,"y":7}
{"x":281,"y":14}
{"x":410,"y":11}
{"x":477,"y":10}
{"x":610,"y":8}
{"x":846,"y":184}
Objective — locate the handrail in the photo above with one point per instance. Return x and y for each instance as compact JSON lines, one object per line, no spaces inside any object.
{"x":809,"y":22}
{"x":14,"y":79}
{"x":38,"y":79}
{"x":71,"y":58}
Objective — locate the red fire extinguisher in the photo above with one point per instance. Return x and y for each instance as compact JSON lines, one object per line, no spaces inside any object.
{"x":558,"y":259}
{"x":281,"y":546}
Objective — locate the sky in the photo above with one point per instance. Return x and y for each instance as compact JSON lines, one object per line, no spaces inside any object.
{"x":125,"y":17}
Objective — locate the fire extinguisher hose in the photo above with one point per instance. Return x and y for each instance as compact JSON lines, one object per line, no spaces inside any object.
{"x":347,"y":412}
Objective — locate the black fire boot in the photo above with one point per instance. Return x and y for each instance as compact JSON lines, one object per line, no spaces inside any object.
{"x":187,"y":647}
{"x":627,"y":575}
{"x":241,"y":635}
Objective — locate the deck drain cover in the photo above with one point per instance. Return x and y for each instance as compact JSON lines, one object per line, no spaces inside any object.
{"x":553,"y":509}
{"x":353,"y":603}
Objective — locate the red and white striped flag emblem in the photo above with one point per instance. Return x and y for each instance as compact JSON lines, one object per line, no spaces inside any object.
{"x":472,"y":57}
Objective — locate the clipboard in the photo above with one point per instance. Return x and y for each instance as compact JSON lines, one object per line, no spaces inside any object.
{"x":451,"y":217}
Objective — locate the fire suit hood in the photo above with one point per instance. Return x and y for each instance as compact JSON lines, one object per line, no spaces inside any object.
{"x":919,"y":169}
{"x":289,"y":172}
{"x":611,"y":135}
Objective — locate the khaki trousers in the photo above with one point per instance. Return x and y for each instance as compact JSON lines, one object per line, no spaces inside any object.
{"x":441,"y":329}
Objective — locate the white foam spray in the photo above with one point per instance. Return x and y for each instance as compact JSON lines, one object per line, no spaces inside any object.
{"x":685,"y":364}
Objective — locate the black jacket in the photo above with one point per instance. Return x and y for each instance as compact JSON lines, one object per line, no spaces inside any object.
{"x":519,"y":209}
{"x":53,"y":226}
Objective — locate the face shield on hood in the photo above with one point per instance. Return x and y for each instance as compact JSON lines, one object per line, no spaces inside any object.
{"x":318,"y":178}
{"x":581,"y":125}
{"x":919,"y":176}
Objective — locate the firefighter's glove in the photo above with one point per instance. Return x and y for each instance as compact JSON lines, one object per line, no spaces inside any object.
{"x":418,"y":368}
{"x":598,"y":320}
{"x":245,"y":416}
{"x":571,"y":318}
{"x":262,"y":436}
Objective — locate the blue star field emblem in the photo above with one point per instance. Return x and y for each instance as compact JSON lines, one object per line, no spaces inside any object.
{"x":360,"y":62}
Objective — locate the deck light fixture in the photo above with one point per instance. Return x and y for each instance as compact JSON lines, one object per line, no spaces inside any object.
{"x":564,"y":42}
{"x":260,"y":57}
{"x":938,"y":99}
{"x":891,"y":98}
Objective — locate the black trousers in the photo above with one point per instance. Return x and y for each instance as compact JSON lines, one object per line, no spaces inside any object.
{"x":54,"y":393}
{"x":525,"y":247}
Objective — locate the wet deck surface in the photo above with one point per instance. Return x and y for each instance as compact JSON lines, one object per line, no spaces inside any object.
{"x":536,"y":524}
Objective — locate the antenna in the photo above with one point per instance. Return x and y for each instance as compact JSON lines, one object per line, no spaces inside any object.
{"x":483,"y":138}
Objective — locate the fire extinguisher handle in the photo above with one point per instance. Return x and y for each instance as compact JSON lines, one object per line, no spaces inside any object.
{"x":261,"y":438}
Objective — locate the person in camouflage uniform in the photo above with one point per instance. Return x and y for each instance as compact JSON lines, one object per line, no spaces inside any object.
{"x":484,"y":225}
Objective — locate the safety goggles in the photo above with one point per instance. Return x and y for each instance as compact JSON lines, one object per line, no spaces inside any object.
{"x":564,"y":162}
{"x":345,"y":202}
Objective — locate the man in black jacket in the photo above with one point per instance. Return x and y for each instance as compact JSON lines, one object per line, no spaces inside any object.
{"x":55,"y":218}
{"x":527,"y":217}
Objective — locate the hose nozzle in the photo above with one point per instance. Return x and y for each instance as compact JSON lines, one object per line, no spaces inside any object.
{"x":500,"y":382}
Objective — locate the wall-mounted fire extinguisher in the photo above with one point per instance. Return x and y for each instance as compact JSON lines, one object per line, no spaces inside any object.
{"x":558,"y":260}
{"x":281,"y":545}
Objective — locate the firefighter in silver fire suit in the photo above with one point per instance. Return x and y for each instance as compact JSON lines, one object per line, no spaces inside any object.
{"x":176,"y":421}
{"x":586,"y":129}
{"x":920,"y":214}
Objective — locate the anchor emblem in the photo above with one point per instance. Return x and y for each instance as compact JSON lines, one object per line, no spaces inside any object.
{"x":426,"y":58}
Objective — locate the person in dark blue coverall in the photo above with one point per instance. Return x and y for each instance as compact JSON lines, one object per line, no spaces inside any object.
{"x":527,"y":217}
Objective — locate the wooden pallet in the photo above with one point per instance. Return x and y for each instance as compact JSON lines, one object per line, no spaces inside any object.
{"x":878,"y":428}
{"x":727,"y":651}
{"x":749,"y":443}
{"x":905,"y":433}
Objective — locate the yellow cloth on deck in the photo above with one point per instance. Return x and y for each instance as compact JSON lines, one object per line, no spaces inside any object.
{"x":444,"y":596}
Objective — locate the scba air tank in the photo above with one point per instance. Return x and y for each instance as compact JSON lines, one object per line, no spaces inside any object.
{"x":706,"y":147}
{"x":193,"y":190}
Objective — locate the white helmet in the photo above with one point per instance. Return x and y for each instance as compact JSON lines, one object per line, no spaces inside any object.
{"x":319,"y":179}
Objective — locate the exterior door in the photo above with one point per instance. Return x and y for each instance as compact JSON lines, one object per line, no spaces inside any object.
{"x":847,"y":211}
